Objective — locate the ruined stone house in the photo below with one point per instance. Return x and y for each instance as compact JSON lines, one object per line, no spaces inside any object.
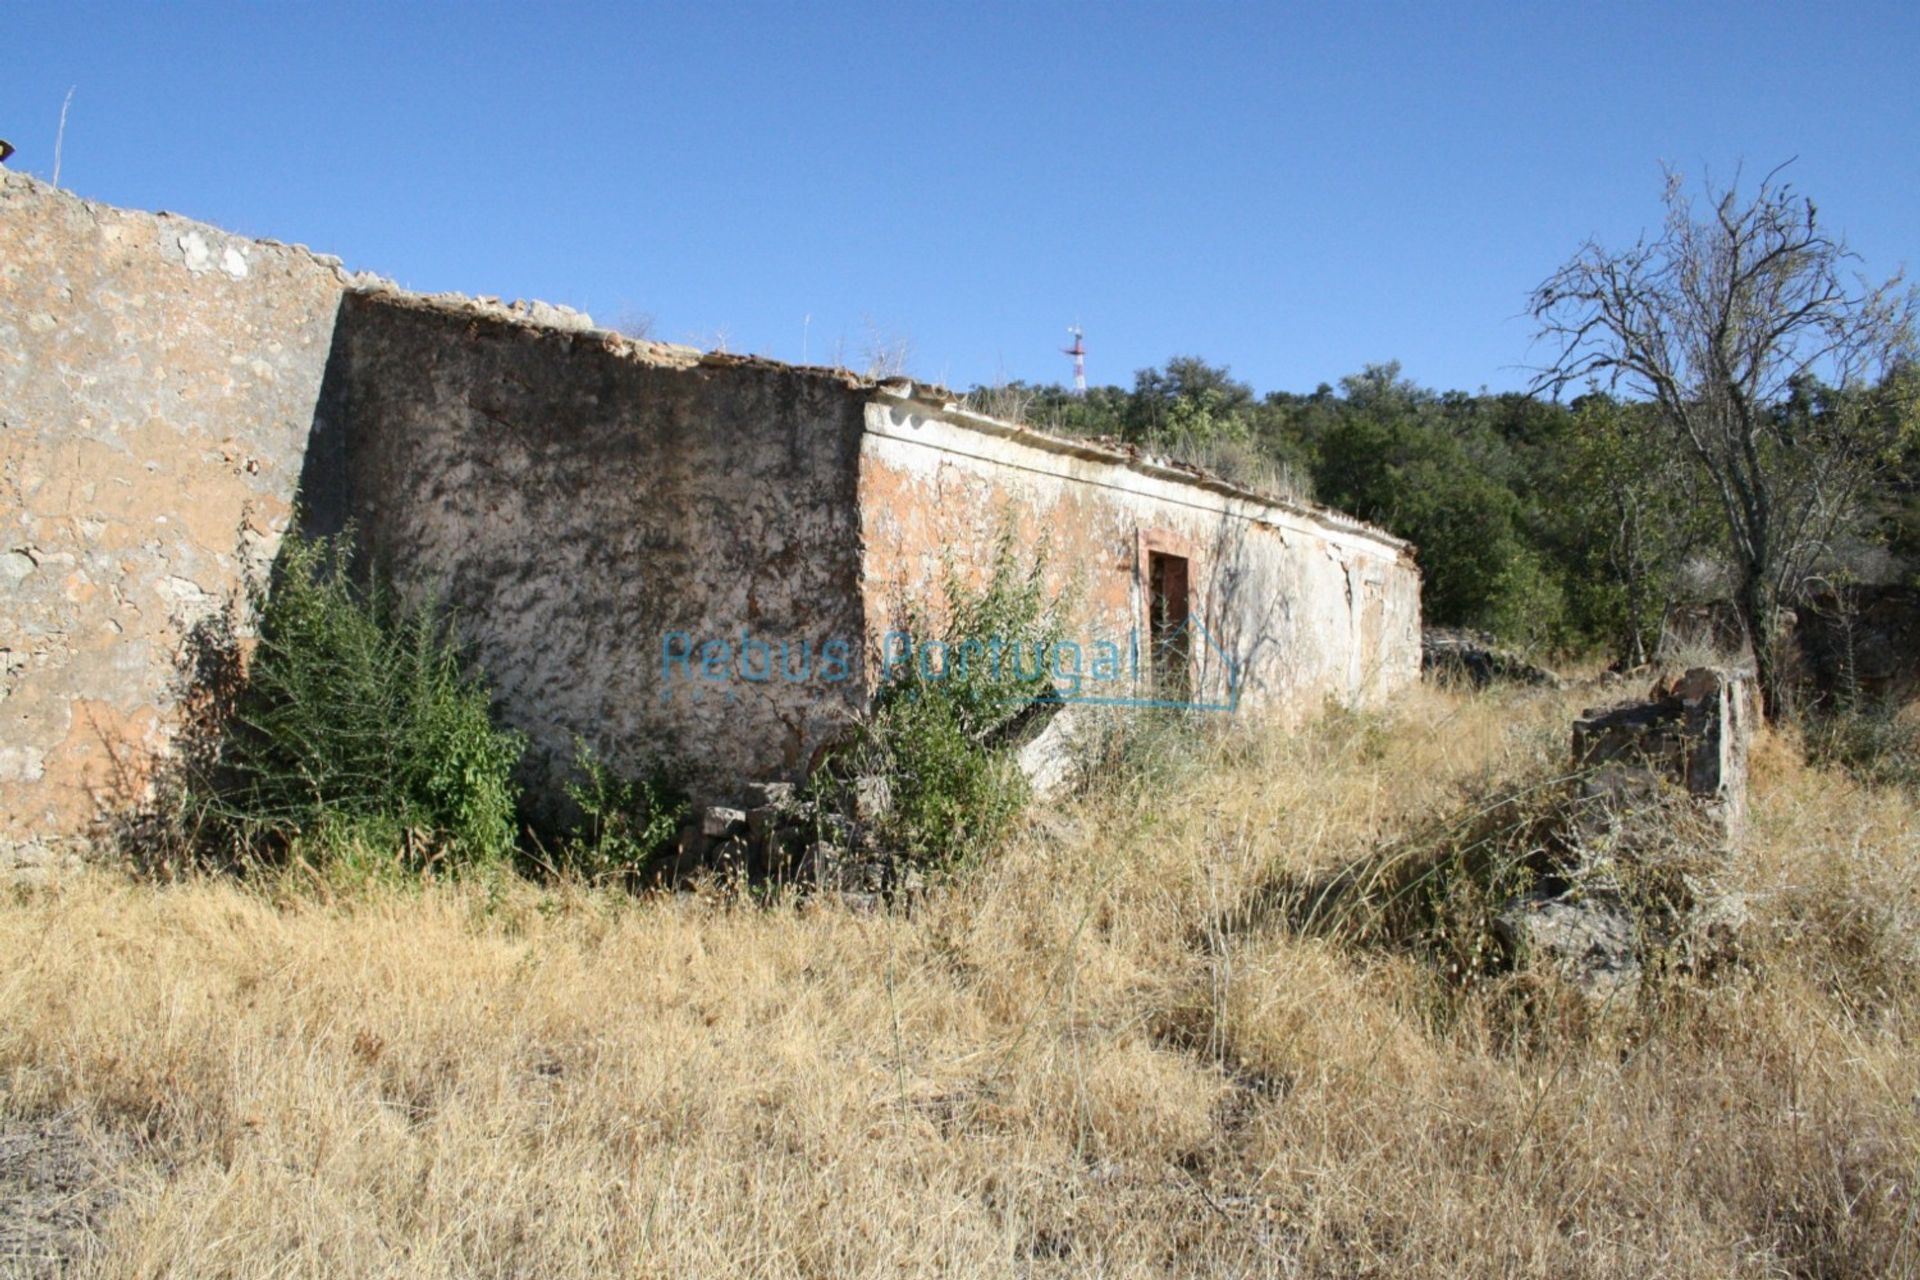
{"x":605,"y":515}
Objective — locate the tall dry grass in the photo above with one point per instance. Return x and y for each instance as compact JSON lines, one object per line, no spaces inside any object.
{"x":1102,"y":1052}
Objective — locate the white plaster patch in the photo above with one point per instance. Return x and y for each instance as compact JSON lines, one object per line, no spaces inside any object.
{"x":190,"y":602}
{"x":193,"y":249}
{"x":22,"y":764}
{"x":234,"y":263}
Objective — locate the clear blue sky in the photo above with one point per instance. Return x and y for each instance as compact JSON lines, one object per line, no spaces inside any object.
{"x":1290,"y":191}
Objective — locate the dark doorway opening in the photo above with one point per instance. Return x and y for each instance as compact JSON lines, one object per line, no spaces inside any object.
{"x":1169,"y":634}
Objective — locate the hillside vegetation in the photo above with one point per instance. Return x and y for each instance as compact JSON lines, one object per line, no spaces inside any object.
{"x":1568,"y":526}
{"x":1105,"y":1051}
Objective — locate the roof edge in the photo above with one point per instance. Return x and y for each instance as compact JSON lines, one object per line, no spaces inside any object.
{"x":558,"y":319}
{"x":948,"y":409}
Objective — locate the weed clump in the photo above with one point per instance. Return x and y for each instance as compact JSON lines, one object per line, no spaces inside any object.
{"x":1458,"y":891}
{"x":1873,"y":742}
{"x":959,"y":689}
{"x":624,"y":821}
{"x":358,"y":734}
{"x":1142,"y":750}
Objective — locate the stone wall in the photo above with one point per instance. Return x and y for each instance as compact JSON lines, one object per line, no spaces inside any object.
{"x":1693,"y":732}
{"x":582,"y":501}
{"x":657,"y":551}
{"x":158,"y":380}
{"x":1297,"y":602}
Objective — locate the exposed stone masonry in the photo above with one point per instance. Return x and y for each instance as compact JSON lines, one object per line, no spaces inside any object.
{"x":171,"y":395}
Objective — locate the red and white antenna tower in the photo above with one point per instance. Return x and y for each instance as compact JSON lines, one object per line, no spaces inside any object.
{"x":1079,"y":353}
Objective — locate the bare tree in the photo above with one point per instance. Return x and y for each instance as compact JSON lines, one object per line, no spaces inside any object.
{"x":1769,"y":362}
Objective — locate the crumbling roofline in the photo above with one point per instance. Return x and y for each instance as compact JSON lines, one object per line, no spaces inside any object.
{"x":928,"y":401}
{"x":901,"y":395}
{"x":934,"y":401}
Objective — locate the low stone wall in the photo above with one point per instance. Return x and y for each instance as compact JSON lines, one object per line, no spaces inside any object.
{"x":1659,"y":799}
{"x":1694,"y":732}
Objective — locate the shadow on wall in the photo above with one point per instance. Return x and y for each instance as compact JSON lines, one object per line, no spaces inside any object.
{"x":577,"y":501}
{"x":1244,"y":631}
{"x":323,"y":496}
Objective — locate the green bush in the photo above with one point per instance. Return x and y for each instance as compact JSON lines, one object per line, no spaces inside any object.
{"x":942,"y":736}
{"x":358,"y":733}
{"x":624,"y":822}
{"x":1479,"y":567}
{"x":950,"y":794}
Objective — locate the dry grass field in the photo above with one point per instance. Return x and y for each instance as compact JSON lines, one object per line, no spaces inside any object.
{"x":1094,"y":1054}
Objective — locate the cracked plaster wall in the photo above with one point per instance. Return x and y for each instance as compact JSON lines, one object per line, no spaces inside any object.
{"x":1297,"y":603}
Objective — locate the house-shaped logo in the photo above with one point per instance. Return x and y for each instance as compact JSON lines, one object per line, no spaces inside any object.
{"x":1192,"y":654}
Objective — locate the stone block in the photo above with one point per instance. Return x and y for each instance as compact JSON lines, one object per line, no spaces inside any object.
{"x":769,"y":795}
{"x":1694,"y":731}
{"x":872,"y":798}
{"x":719,"y":821}
{"x":1048,"y":758}
{"x":1592,"y":941}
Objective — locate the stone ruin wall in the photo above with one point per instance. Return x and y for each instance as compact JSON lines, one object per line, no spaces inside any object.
{"x":581,"y":501}
{"x":167,"y":392}
{"x":158,"y":379}
{"x":1304,"y":604}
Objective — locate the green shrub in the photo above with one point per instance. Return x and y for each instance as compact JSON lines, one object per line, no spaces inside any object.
{"x":942,"y":736}
{"x":358,"y":733}
{"x":950,"y":794}
{"x":624,"y":822}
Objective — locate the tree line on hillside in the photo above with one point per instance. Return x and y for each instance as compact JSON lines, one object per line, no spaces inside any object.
{"x":1498,"y":491}
{"x":1731,"y":417}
